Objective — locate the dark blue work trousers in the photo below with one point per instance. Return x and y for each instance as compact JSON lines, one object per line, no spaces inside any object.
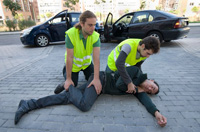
{"x":82,"y":97}
{"x":75,"y":75}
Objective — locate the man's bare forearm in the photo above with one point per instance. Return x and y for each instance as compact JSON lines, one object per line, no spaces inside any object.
{"x":96,"y":62}
{"x":69,"y":63}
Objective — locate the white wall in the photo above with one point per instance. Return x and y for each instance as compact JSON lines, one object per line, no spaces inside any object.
{"x":1,"y":11}
{"x":189,"y":7}
{"x":53,"y":6}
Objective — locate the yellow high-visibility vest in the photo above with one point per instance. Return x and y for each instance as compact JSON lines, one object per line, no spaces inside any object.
{"x":131,"y":58}
{"x":82,"y":56}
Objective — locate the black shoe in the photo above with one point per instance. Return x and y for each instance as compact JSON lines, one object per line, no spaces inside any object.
{"x":22,"y":109}
{"x":59,"y":88}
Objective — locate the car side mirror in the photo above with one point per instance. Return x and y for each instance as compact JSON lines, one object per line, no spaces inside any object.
{"x":49,"y":22}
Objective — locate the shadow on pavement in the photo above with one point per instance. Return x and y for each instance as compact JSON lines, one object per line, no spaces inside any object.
{"x":172,"y":44}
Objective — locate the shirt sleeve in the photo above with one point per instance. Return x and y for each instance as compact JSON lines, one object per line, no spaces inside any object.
{"x":68,"y":42}
{"x":126,"y":48}
{"x":136,"y":77}
{"x":97,"y":44}
{"x":147,"y":102}
{"x":120,"y":64}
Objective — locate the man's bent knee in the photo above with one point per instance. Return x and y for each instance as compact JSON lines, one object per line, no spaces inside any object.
{"x":85,"y":107}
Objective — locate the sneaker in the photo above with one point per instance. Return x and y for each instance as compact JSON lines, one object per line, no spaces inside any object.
{"x":59,"y":88}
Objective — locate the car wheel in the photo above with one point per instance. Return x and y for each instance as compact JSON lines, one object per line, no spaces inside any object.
{"x":42,"y":40}
{"x":157,"y":35}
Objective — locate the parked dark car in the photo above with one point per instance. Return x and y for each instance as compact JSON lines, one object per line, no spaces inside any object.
{"x":53,"y":30}
{"x":163,"y":25}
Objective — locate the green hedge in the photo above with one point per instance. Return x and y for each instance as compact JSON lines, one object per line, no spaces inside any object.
{"x":11,"y":24}
{"x":25,"y":24}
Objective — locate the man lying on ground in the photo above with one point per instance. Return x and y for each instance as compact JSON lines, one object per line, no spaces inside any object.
{"x":84,"y":97}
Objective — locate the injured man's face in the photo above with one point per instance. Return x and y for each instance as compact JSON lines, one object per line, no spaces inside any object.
{"x":149,"y":86}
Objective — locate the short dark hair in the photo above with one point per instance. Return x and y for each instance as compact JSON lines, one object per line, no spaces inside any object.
{"x":151,"y":42}
{"x":158,"y":87}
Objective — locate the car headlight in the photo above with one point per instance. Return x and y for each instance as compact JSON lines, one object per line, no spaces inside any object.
{"x":26,"y":31}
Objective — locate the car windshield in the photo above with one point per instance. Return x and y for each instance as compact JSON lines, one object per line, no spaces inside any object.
{"x":75,"y":17}
{"x":126,"y":19}
{"x":58,"y":18}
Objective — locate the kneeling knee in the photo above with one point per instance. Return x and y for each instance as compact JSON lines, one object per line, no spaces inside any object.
{"x":85,"y":108}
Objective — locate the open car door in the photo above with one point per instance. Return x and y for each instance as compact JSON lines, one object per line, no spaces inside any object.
{"x":67,"y":19}
{"x":58,"y":27}
{"x":108,"y":27}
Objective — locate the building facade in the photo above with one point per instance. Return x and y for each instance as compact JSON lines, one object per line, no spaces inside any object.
{"x":1,"y":14}
{"x":25,"y":10}
{"x":117,"y":7}
{"x":34,"y":10}
{"x":76,"y":7}
{"x":37,"y":9}
{"x":191,"y":4}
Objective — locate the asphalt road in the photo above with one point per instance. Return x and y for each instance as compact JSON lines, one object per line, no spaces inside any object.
{"x":15,"y":39}
{"x":194,"y":32}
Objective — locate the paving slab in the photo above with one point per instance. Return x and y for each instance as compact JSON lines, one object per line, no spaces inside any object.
{"x":174,"y":68}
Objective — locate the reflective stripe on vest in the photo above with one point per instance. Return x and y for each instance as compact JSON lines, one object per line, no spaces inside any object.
{"x":86,"y":64}
{"x":84,"y":58}
{"x":130,"y":59}
{"x":115,"y":56}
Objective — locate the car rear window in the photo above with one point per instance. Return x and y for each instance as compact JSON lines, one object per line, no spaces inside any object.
{"x":167,"y":14}
{"x":159,"y":18}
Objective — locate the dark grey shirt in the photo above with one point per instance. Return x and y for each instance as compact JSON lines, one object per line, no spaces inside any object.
{"x":120,"y":63}
{"x":116,"y":86}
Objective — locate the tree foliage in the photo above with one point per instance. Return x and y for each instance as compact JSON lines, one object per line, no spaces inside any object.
{"x":99,"y":1}
{"x":42,"y":15}
{"x":96,"y":2}
{"x":70,"y":4}
{"x":159,"y":7}
{"x":143,"y":5}
{"x":12,"y":6}
{"x":126,"y":11}
{"x":22,"y":24}
{"x":11,"y":24}
{"x":49,"y":14}
{"x":195,"y":9}
{"x":174,"y":12}
{"x":19,"y":17}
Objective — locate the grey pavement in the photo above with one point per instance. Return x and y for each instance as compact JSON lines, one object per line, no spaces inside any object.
{"x":35,"y":72}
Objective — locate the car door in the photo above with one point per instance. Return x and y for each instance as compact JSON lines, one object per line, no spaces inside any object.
{"x":108,"y":26}
{"x":73,"y":18}
{"x":121,"y":26}
{"x":140,"y":25}
{"x":58,"y":27}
